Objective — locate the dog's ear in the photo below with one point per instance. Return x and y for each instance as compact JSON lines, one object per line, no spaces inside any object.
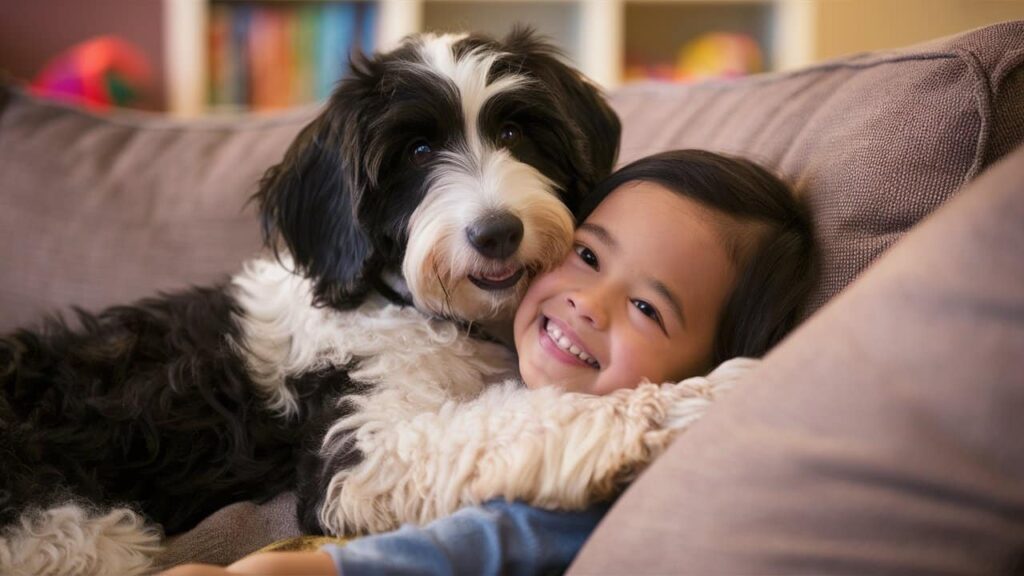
{"x":598,"y":122}
{"x":310,"y":201}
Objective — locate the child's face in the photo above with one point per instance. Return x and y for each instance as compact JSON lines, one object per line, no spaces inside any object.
{"x":639,"y":297}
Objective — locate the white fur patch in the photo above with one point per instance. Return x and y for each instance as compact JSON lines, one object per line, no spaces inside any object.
{"x":284,"y":335}
{"x":70,"y":540}
{"x":277,"y":323}
{"x":469,"y":75}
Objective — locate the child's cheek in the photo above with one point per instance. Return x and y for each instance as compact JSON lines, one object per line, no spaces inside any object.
{"x":639,"y":360}
{"x":529,"y":307}
{"x":542,"y":288}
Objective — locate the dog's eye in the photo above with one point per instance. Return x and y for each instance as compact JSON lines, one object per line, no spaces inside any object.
{"x":420,"y":152}
{"x":509,"y":135}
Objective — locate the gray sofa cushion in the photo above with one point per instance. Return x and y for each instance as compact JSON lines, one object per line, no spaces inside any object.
{"x":234,"y":531}
{"x":100,"y":210}
{"x":875,"y":142}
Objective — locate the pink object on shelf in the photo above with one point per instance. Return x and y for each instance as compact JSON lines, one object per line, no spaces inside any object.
{"x":98,"y":73}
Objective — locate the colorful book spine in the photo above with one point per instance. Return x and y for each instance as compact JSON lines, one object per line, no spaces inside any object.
{"x":338,"y":31}
{"x":239,"y":75}
{"x":306,"y":41}
{"x":368,"y":26}
{"x":266,"y":55}
{"x":220,"y":32}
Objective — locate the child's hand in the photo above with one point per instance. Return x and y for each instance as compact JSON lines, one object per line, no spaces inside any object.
{"x":265,"y":564}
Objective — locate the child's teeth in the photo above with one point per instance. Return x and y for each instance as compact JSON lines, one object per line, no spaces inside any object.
{"x":565,"y":344}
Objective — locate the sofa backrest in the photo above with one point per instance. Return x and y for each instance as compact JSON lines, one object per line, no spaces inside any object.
{"x":874,"y":142}
{"x":104,"y":209}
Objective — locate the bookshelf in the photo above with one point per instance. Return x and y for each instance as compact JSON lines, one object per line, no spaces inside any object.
{"x":612,"y":41}
{"x":601,"y":37}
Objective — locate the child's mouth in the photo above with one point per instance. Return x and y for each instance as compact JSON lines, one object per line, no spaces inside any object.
{"x":555,"y":335}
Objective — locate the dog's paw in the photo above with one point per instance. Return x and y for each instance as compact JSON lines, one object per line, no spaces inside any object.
{"x":695,"y":395}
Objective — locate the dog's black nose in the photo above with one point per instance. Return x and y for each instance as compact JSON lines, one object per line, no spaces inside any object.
{"x":496,"y":235}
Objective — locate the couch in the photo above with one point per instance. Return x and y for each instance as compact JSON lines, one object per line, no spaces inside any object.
{"x":882,"y":437}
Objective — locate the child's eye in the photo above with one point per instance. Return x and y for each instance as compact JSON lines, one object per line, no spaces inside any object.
{"x":587,"y":255}
{"x":650,"y":311}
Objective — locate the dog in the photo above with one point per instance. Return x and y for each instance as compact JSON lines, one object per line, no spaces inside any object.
{"x":405,"y":223}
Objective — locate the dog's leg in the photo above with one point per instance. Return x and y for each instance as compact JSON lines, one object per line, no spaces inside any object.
{"x":72,"y":540}
{"x":542,"y":446}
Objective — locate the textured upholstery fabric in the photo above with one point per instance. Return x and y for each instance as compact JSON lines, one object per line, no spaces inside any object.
{"x":102,"y":210}
{"x":882,"y":437}
{"x":234,"y":531}
{"x":875,"y":142}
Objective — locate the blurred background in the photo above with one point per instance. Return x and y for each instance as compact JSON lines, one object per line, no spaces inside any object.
{"x":197,"y":57}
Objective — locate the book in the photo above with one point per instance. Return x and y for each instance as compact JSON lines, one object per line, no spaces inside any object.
{"x":304,"y":43}
{"x":218,"y":55}
{"x":337,"y":33}
{"x":239,"y":76}
{"x":368,"y":27}
{"x":267,"y":55}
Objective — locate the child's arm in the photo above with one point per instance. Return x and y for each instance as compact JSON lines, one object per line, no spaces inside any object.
{"x":493,"y":539}
{"x":496,"y":538}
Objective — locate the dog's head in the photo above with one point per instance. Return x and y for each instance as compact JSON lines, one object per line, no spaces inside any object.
{"x":453,"y":162}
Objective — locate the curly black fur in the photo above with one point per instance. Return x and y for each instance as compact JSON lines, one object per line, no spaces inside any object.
{"x":149,"y":405}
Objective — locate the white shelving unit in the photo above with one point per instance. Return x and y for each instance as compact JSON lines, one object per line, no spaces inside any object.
{"x":591,"y":31}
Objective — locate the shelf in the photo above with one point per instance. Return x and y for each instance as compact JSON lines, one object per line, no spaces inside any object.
{"x":552,"y":18}
{"x":601,"y":37}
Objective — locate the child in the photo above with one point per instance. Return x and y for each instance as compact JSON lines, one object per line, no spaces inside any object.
{"x":683,"y":260}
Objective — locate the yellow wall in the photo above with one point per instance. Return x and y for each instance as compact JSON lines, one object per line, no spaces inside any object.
{"x":848,"y":26}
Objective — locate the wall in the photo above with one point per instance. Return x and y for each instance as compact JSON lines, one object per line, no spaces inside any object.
{"x":33,"y":31}
{"x":847,"y":26}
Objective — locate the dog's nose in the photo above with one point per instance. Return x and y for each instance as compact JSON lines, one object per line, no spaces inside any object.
{"x":496,"y":235}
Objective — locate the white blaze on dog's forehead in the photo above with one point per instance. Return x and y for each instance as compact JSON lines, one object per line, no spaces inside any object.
{"x":506,"y":184}
{"x":469,"y":75}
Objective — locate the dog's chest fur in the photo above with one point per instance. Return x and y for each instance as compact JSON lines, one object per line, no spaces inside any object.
{"x":411,"y":362}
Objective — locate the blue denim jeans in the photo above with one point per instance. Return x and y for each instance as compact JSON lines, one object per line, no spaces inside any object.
{"x":496,"y":538}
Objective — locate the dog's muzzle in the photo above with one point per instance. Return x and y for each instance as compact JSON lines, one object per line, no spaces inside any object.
{"x":496,"y":237}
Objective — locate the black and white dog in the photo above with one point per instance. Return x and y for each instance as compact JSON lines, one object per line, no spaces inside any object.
{"x":361,"y":364}
{"x":442,"y":174}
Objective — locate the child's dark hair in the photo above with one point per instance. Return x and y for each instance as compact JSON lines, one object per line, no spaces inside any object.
{"x":776,"y":275}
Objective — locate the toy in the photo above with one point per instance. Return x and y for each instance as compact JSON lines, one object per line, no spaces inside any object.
{"x":98,"y":73}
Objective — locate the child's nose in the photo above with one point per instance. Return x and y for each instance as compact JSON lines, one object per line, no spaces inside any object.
{"x":587,"y":306}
